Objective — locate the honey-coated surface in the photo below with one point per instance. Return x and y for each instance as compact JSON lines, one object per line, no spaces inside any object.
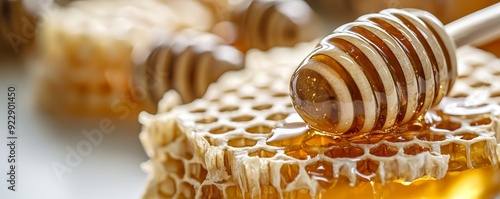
{"x":382,"y":70}
{"x":228,"y":145}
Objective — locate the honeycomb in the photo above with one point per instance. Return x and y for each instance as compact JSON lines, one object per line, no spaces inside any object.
{"x":227,"y":144}
{"x":87,"y":41}
{"x":89,"y":49}
{"x":478,"y":74}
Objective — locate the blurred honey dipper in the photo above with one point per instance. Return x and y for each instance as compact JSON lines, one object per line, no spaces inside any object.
{"x":265,"y":24}
{"x":188,"y":64}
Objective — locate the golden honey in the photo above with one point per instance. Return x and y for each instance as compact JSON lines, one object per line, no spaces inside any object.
{"x":383,"y":70}
{"x":481,"y":181}
{"x":240,"y":141}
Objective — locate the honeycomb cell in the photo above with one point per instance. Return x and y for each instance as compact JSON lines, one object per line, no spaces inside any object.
{"x":163,"y":139}
{"x":322,"y":172}
{"x":448,"y":125}
{"x":197,"y":172}
{"x":226,"y":163}
{"x":221,"y":129}
{"x":248,"y":97}
{"x":230,"y":90}
{"x":458,"y":156}
{"x":262,"y":86}
{"x":269,"y":192}
{"x":368,"y":168}
{"x":186,"y":152}
{"x":288,"y":173}
{"x":281,"y":95}
{"x":277,"y":116}
{"x":262,"y":107}
{"x":384,"y":150}
{"x":481,"y":121}
{"x":262,"y":153}
{"x":175,"y":167}
{"x":415,"y":149}
{"x":346,"y":151}
{"x":207,"y":120}
{"x":478,"y":157}
{"x":241,"y":142}
{"x":167,"y":188}
{"x":198,"y":110}
{"x":234,"y":192}
{"x":459,"y":95}
{"x":228,"y":108}
{"x":259,"y":129}
{"x":495,"y":93}
{"x":215,"y":100}
{"x":480,"y":84}
{"x":211,"y":192}
{"x":242,"y":118}
{"x":186,"y":191}
{"x":466,"y":136}
{"x":210,"y":140}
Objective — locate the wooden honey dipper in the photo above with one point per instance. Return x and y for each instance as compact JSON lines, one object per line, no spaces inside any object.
{"x":384,"y":69}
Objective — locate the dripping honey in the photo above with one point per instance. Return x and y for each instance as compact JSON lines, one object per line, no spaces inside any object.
{"x":457,"y":183}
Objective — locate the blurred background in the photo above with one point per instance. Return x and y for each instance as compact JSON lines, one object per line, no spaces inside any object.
{"x":91,"y":66}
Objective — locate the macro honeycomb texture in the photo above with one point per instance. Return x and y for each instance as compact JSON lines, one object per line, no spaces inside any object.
{"x":217,"y":146}
{"x":478,"y":75}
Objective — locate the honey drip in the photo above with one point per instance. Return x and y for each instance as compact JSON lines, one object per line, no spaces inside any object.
{"x":469,"y":156}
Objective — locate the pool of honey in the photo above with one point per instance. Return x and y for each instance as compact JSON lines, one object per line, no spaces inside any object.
{"x":483,"y":181}
{"x":475,"y":183}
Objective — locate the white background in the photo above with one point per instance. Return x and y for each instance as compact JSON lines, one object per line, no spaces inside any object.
{"x":112,"y":170}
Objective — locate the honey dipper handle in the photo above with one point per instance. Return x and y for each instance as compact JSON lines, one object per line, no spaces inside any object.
{"x":476,"y":28}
